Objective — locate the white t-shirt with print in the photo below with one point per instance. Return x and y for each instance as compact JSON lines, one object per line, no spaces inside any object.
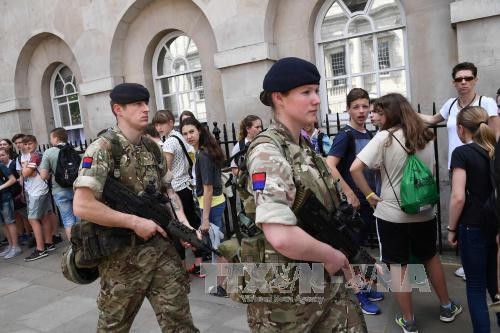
{"x":34,"y":186}
{"x":487,"y":103}
{"x":375,"y":155}
{"x":180,"y":165}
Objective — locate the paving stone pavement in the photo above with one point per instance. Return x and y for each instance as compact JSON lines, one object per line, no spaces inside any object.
{"x":35,"y":297}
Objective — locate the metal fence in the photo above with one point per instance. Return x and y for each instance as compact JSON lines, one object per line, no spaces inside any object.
{"x":227,"y":138}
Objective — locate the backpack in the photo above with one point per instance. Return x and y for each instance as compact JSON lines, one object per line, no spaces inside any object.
{"x":418,"y":190}
{"x":456,"y":99}
{"x":351,"y":145}
{"x":68,"y":163}
{"x":488,"y":208}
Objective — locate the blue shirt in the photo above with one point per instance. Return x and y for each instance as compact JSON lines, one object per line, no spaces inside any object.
{"x":346,"y":149}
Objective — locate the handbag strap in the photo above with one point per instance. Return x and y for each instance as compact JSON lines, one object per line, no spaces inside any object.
{"x":387,"y":174}
{"x":190,"y":161}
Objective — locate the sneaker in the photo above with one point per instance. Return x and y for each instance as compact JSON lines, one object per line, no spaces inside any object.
{"x":36,"y":254}
{"x":196,"y":271}
{"x":50,"y":247}
{"x":374,"y":296}
{"x":366,"y":306}
{"x":5,"y":251}
{"x":460,"y":272}
{"x":448,"y":315}
{"x":219,"y":291}
{"x":407,"y":326}
{"x":14,"y":252}
{"x":56,"y":239}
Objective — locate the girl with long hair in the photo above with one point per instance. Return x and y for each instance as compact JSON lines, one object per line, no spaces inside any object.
{"x":401,"y":234}
{"x":472,"y":220}
{"x":207,"y":166}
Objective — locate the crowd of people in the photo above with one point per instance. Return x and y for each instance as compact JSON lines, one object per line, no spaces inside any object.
{"x":367,"y":165}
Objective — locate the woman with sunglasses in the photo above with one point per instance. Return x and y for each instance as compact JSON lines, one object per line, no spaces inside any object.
{"x":464,"y":76}
{"x":464,"y":79}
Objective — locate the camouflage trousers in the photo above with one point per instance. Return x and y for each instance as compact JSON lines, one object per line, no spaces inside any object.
{"x":337,"y":312}
{"x":151,"y":270}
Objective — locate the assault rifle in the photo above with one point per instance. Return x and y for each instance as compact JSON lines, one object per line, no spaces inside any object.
{"x":336,"y":229}
{"x":151,"y":205}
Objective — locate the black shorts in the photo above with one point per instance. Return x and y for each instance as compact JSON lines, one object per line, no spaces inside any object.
{"x":398,"y":240}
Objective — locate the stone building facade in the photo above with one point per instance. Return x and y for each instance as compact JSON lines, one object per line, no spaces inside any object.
{"x":60,"y":58}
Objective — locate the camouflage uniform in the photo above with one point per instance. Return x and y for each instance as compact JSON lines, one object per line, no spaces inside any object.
{"x":152,"y":269}
{"x":338,"y":312}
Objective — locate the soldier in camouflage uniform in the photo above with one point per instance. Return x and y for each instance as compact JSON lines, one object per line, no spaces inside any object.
{"x":149,"y":269}
{"x":291,"y":89}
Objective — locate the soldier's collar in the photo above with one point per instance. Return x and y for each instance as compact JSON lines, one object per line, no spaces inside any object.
{"x":281,"y":128}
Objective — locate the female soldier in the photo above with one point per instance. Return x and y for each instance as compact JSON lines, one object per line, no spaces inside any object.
{"x":402,"y":133}
{"x":291,"y":89}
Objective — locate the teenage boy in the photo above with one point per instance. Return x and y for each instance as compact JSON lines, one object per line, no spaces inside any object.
{"x":346,"y":145}
{"x":63,"y":196}
{"x":37,"y":199}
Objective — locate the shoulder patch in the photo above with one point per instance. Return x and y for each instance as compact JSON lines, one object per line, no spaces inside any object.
{"x":258,"y":181}
{"x":87,"y":162}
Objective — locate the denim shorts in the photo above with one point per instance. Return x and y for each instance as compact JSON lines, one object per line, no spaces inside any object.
{"x":7,"y":212}
{"x":38,"y":206}
{"x":64,"y":202}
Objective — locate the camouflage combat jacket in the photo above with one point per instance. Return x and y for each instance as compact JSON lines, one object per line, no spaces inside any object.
{"x":139,"y":166}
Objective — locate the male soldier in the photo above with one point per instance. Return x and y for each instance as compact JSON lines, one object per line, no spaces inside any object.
{"x":149,"y":266}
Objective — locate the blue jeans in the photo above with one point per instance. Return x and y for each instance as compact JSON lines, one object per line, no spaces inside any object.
{"x":64,"y":201}
{"x":216,"y":214}
{"x":478,"y":251}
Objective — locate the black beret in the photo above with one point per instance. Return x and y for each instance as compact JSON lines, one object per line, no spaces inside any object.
{"x":288,"y":73}
{"x":126,"y":93}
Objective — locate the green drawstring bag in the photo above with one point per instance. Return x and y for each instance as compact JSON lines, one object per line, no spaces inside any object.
{"x":418,"y":188}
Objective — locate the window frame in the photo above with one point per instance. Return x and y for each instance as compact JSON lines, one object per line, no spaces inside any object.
{"x":198,"y":92}
{"x":54,"y":99}
{"x":319,"y":43}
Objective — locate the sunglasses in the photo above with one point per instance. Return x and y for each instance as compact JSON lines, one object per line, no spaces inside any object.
{"x":461,"y":78}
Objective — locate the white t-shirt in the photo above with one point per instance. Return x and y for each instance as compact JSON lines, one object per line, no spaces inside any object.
{"x":375,"y":155}
{"x":34,"y":186}
{"x":180,"y":164}
{"x":236,"y":149}
{"x":487,"y":103}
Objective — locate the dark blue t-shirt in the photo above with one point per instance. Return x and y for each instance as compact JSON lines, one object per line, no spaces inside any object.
{"x":5,"y":173}
{"x":344,"y":148}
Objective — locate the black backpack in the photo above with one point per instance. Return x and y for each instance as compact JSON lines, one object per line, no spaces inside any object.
{"x":68,"y":163}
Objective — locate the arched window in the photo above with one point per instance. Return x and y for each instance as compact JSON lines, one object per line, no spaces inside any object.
{"x":177,"y":76}
{"x":361,"y":43}
{"x":65,"y":103}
